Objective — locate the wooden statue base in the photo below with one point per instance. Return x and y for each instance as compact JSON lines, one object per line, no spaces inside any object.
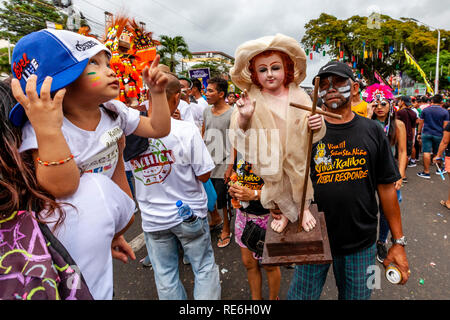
{"x":295,"y":247}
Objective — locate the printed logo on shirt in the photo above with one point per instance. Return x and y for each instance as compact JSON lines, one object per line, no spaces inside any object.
{"x":111,"y":136}
{"x":155,"y":165}
{"x":102,"y":162}
{"x":246,"y":176}
{"x":341,"y":165}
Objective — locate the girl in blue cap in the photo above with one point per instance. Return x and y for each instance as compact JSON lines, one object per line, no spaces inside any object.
{"x":69,"y":91}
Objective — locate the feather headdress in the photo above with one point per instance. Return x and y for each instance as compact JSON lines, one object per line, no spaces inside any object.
{"x":115,"y":29}
{"x":379,"y":92}
{"x":143,"y":47}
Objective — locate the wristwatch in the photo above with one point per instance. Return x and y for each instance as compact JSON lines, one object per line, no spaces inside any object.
{"x":401,"y":241}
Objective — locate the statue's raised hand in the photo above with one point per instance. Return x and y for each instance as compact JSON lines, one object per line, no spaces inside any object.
{"x":246,"y":108}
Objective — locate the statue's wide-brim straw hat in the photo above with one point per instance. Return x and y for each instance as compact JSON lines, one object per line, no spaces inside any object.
{"x":240,"y":73}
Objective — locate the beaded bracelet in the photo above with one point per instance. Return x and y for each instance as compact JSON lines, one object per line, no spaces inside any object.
{"x":54,"y":163}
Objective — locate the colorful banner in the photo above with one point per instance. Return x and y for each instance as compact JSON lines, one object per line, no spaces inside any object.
{"x":410,"y":60}
{"x":380,"y":79}
{"x":202,"y":74}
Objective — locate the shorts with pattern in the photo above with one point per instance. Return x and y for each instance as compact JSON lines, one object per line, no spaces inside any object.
{"x":240,"y":222}
{"x":351,"y":273}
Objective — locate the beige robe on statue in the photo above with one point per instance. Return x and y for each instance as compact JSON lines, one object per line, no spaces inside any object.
{"x":281,"y":165}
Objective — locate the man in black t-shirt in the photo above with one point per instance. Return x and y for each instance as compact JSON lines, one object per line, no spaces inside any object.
{"x":409,"y":118}
{"x":348,"y":166}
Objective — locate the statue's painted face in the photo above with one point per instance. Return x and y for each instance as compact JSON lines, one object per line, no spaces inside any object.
{"x":270,"y":71}
{"x":335,"y":91}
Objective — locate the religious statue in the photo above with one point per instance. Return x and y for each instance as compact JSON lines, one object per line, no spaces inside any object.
{"x":270,"y":134}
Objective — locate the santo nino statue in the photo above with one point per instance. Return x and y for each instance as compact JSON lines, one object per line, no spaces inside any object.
{"x":270,"y":134}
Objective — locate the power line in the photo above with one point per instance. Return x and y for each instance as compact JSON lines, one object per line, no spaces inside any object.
{"x":187,"y":19}
{"x":177,"y":13}
{"x":91,"y":19}
{"x":145,"y":20}
{"x":91,"y":4}
{"x":173,"y":31}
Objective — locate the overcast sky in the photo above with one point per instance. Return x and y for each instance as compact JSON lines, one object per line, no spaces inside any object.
{"x":223,"y":25}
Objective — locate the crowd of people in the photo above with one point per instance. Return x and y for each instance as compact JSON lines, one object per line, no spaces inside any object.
{"x":67,"y":167}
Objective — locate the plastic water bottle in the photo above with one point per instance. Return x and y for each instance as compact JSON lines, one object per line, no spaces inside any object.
{"x":185,"y":212}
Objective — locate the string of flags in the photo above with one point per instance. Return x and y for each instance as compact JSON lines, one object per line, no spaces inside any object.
{"x":361,"y":53}
{"x":364,"y":52}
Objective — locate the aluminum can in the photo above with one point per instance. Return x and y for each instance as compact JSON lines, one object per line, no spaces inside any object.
{"x":393,"y":275}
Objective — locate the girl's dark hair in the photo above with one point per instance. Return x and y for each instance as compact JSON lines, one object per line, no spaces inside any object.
{"x":389,"y":124}
{"x":19,"y":189}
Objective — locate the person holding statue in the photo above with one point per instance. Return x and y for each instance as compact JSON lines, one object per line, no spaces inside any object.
{"x":268,"y":132}
{"x":349,"y":166}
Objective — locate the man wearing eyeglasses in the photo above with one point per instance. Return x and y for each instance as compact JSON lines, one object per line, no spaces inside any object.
{"x":360,"y":165}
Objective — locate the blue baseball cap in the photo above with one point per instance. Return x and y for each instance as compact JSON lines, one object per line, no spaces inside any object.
{"x":60,"y":54}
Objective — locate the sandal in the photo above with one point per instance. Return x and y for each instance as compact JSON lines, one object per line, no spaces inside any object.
{"x":444,"y":204}
{"x":214,"y":227}
{"x":221,"y":242}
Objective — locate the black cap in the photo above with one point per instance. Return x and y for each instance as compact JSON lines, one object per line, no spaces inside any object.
{"x":406,"y":100}
{"x":424,"y":99}
{"x":337,"y":68}
{"x":186,"y":79}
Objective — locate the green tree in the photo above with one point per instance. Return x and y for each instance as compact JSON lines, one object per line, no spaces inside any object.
{"x":4,"y":61}
{"x":21,"y":17}
{"x":428,"y":65}
{"x":353,"y":36}
{"x":172,"y":49}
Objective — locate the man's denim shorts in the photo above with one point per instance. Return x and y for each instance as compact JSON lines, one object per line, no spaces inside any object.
{"x":430,"y":143}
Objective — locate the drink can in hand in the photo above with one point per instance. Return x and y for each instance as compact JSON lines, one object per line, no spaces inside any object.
{"x":393,"y":275}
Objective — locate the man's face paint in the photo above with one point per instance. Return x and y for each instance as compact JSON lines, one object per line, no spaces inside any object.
{"x":342,"y":85}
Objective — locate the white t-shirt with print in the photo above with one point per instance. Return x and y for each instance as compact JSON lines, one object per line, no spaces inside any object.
{"x":94,"y":151}
{"x":167,"y":172}
{"x":102,"y":210}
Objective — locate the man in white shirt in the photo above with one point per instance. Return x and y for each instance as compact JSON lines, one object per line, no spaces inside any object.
{"x":171,"y":169}
{"x":201,"y":105}
{"x":185,"y":106}
{"x":186,"y":111}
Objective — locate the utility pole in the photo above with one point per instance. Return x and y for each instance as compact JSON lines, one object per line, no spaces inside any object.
{"x":436,"y":80}
{"x":436,"y":83}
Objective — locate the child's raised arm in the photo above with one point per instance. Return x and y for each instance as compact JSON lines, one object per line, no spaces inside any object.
{"x":158,"y":124}
{"x":56,"y":171}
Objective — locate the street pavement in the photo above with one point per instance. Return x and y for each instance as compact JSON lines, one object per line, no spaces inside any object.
{"x":425,"y":223}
